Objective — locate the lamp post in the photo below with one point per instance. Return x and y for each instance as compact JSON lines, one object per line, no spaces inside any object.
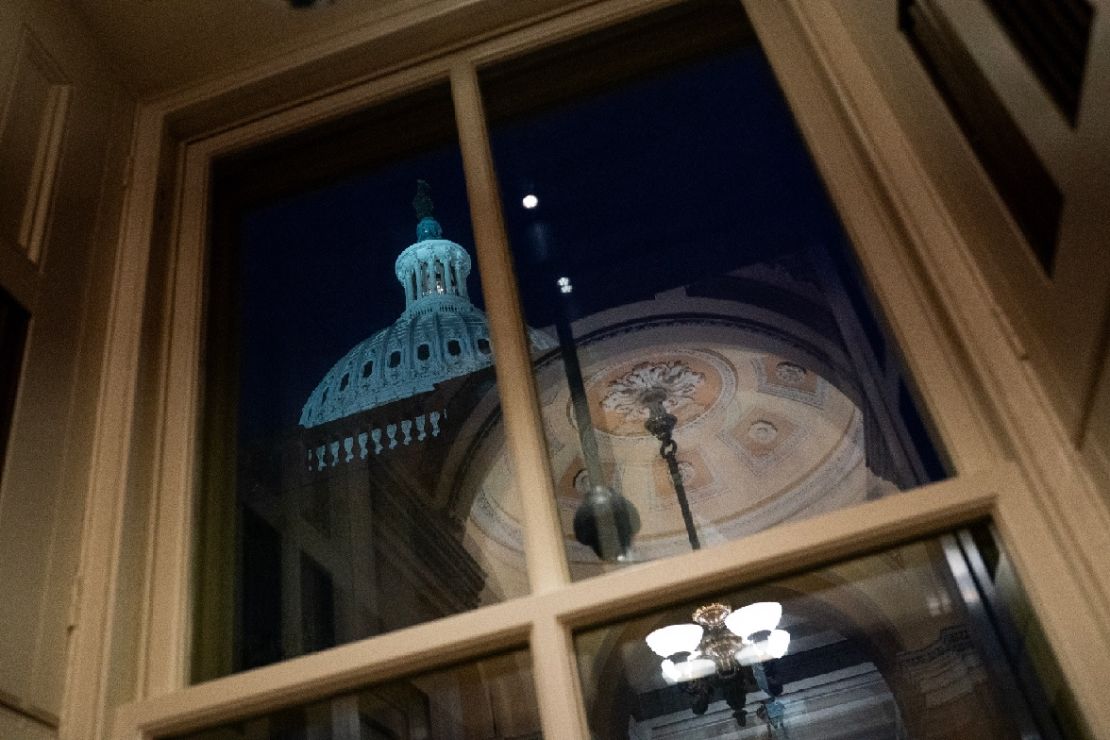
{"x":605,"y":521}
{"x":661,"y":425}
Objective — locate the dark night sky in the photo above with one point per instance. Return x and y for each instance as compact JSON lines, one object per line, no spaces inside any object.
{"x":645,"y":188}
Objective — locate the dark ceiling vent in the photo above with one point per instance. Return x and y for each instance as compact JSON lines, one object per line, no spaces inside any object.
{"x":1052,"y":37}
{"x":1017,"y":172}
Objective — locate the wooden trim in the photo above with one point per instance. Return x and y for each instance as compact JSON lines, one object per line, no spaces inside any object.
{"x":558,"y":689}
{"x":84,"y":708}
{"x":33,"y":57}
{"x":18,"y":274}
{"x":1053,"y":37}
{"x":311,"y":677}
{"x":421,"y":32}
{"x":40,"y":194}
{"x":545,"y":555}
{"x":173,"y":542}
{"x":294,"y":114}
{"x":11,"y":703}
{"x":973,"y":332}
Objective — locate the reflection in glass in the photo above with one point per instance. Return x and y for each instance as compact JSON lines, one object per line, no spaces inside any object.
{"x":350,"y":374}
{"x":490,"y":699}
{"x":719,"y":370}
{"x":914,"y":642}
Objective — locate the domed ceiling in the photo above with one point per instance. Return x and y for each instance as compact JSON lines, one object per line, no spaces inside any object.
{"x":763,"y":436}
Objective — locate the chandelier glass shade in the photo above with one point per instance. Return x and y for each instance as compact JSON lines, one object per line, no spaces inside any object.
{"x":763,"y":616}
{"x":720,"y":641}
{"x":674,"y":639}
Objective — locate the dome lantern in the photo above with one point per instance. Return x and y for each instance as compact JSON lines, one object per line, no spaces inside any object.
{"x":440,"y":334}
{"x":433,"y":267}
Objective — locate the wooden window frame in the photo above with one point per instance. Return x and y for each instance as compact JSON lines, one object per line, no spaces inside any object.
{"x":1011,"y":455}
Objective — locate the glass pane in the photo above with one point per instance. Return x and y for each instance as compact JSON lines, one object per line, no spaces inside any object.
{"x":488,"y":699}
{"x":719,"y":368}
{"x":349,"y":380}
{"x":914,"y":642}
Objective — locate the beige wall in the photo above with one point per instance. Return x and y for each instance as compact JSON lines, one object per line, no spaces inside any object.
{"x":63,"y":138}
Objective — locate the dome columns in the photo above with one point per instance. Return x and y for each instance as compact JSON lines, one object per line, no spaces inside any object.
{"x":431,"y":268}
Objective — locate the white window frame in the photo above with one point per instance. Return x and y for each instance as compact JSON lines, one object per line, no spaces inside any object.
{"x":1011,"y":455}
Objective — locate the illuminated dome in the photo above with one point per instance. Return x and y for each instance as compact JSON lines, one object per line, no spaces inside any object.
{"x":439,"y":335}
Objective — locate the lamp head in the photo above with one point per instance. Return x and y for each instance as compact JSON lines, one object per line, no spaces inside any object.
{"x":606,"y":522}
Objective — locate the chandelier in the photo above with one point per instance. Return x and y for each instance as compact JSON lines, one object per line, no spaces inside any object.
{"x":720,"y":651}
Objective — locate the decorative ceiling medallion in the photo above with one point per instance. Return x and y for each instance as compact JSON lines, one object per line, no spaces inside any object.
{"x":778,"y":377}
{"x":790,"y":373}
{"x":674,"y":379}
{"x":763,"y":439}
{"x":763,"y":431}
{"x":692,"y":382}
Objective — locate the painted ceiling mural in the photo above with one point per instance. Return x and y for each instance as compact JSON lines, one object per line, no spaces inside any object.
{"x":762,"y":436}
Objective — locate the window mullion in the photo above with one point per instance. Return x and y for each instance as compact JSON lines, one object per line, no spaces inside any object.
{"x":558,"y":690}
{"x":543,"y":545}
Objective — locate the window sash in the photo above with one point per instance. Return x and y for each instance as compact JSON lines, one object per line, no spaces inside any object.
{"x":986,"y":485}
{"x":545,"y":621}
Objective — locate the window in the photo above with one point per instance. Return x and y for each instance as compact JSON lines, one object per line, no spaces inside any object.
{"x":552,"y":608}
{"x":435,"y":704}
{"x":345,"y":501}
{"x":893,"y":644}
{"x":720,"y":369}
{"x":709,"y":367}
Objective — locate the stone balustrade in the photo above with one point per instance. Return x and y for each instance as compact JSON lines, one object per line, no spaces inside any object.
{"x":347,"y":447}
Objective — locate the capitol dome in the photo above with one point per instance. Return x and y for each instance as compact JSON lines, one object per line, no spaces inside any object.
{"x":439,"y":335}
